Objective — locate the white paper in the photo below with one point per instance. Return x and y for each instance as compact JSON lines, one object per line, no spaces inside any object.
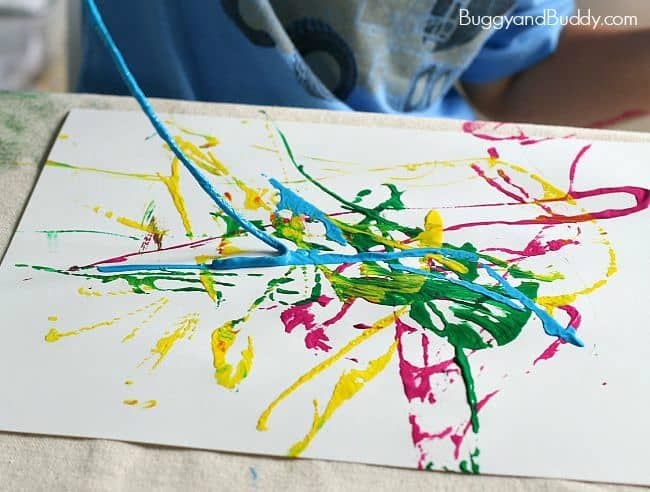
{"x":134,"y":363}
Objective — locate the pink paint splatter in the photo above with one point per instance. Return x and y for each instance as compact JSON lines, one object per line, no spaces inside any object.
{"x":498,"y":132}
{"x":641,"y":197}
{"x":458,"y":438}
{"x":575,"y":319}
{"x":316,"y":338}
{"x":503,"y":175}
{"x":361,"y":326}
{"x":549,"y":352}
{"x":418,"y":435}
{"x":302,"y":315}
{"x":537,"y":248}
{"x":624,"y":116}
{"x":417,"y":380}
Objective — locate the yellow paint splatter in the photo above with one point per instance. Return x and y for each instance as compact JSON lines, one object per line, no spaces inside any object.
{"x":185,"y":328}
{"x":150,"y":228}
{"x":172,"y":183}
{"x":414,"y":166}
{"x":144,"y":177}
{"x":262,"y":423}
{"x":551,"y":192}
{"x":210,"y":140}
{"x":348,"y":385}
{"x":128,"y":382}
{"x":52,"y":318}
{"x":53,"y":335}
{"x":550,"y":303}
{"x":431,"y":236}
{"x":202,"y":259}
{"x":145,"y":405}
{"x":253,"y":198}
{"x":225,"y":374}
{"x":208,"y":284}
{"x":224,"y":337}
{"x":83,"y":291}
{"x":63,"y":136}
{"x":131,"y":335}
{"x":226,"y":248}
{"x":150,"y":404}
{"x":206,"y":160}
{"x":121,"y":292}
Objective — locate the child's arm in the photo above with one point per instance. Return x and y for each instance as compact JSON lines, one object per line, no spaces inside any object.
{"x":593,"y":75}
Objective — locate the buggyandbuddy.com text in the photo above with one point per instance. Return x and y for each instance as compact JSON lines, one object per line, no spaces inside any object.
{"x":549,"y":17}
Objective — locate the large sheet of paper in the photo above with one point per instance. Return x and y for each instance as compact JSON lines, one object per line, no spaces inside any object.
{"x":466,"y":357}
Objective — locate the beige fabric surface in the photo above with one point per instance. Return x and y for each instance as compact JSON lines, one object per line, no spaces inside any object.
{"x":28,"y":125}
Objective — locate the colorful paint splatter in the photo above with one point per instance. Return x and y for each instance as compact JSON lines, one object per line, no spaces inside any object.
{"x":447,"y":282}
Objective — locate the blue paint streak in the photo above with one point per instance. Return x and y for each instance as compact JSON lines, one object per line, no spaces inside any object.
{"x":296,"y":257}
{"x":289,"y":200}
{"x":161,"y":129}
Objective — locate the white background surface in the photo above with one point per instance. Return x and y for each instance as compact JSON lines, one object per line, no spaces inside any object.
{"x":572,"y":414}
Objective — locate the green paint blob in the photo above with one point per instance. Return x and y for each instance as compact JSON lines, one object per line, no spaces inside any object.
{"x":471,"y":467}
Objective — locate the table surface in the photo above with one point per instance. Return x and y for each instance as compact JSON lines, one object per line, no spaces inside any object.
{"x":29,"y":123}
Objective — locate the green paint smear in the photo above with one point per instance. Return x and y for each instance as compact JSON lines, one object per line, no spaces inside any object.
{"x":272,"y":286}
{"x":471,"y":465}
{"x":52,"y":234}
{"x":142,"y":283}
{"x":232,"y":227}
{"x":148,"y":213}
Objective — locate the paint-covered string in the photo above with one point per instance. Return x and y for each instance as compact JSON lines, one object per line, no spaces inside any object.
{"x":162,"y":131}
{"x":299,"y":256}
{"x":311,"y":257}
